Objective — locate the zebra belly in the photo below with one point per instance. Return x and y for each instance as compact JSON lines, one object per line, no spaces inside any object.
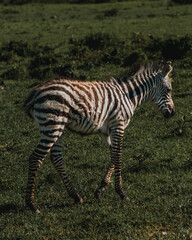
{"x":85,"y":126}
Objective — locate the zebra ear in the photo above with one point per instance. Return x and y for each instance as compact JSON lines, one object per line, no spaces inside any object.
{"x":167,"y":68}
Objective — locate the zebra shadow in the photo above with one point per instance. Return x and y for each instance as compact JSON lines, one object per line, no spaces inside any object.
{"x":10,"y":208}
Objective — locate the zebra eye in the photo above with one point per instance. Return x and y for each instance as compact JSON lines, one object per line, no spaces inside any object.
{"x":168,"y":90}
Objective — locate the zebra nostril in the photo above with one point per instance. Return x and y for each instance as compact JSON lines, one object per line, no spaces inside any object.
{"x":172,"y":112}
{"x":169,"y":113}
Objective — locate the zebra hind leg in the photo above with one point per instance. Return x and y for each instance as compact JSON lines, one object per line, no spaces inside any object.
{"x":35,"y":161}
{"x":57,"y":160}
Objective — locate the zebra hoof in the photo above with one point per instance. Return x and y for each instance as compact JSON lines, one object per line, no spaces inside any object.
{"x":122,"y":195}
{"x":124,"y":198}
{"x":78,"y":198}
{"x":37,"y":211}
{"x":99,"y":192}
{"x":32,"y":207}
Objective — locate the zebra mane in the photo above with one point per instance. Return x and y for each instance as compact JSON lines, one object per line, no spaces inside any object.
{"x":138,"y":68}
{"x":147,"y":67}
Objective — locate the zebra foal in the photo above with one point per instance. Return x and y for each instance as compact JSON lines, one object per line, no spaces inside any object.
{"x":93,"y":107}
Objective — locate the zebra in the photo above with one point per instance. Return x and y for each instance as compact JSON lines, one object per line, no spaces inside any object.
{"x":102,"y":107}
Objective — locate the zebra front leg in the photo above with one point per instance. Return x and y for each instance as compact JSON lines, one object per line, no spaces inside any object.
{"x":57,"y":160}
{"x":105,"y":181}
{"x":116,"y":157}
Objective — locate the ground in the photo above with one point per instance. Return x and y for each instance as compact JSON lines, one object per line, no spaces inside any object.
{"x":90,"y":42}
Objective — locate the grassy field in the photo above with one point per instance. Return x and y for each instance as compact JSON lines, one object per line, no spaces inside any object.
{"x":91,"y":42}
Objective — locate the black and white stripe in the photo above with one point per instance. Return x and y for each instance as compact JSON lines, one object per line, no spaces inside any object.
{"x":93,"y":107}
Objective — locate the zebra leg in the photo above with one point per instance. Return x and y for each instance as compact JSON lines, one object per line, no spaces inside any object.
{"x":57,"y":160}
{"x":35,"y":161}
{"x":116,"y":157}
{"x":105,"y":181}
{"x":50,"y":131}
{"x":107,"y":177}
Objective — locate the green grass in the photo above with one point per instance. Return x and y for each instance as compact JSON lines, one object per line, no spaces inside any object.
{"x":157,"y":163}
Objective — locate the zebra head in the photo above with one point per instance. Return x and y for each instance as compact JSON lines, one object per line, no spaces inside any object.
{"x":163,"y":91}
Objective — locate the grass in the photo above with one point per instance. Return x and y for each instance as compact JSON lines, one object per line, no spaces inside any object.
{"x":41,"y":40}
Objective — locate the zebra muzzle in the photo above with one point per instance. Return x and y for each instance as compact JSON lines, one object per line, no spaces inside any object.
{"x":169,"y":113}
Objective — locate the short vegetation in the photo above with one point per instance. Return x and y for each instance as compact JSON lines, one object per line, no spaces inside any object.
{"x":91,"y":41}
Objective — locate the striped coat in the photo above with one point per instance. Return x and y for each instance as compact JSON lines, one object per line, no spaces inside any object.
{"x":93,"y":107}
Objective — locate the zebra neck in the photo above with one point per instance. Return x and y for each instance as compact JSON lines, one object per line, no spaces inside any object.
{"x":139,"y":90}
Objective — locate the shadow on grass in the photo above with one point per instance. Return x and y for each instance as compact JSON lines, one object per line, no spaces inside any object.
{"x":59,"y":206}
{"x":10,"y":207}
